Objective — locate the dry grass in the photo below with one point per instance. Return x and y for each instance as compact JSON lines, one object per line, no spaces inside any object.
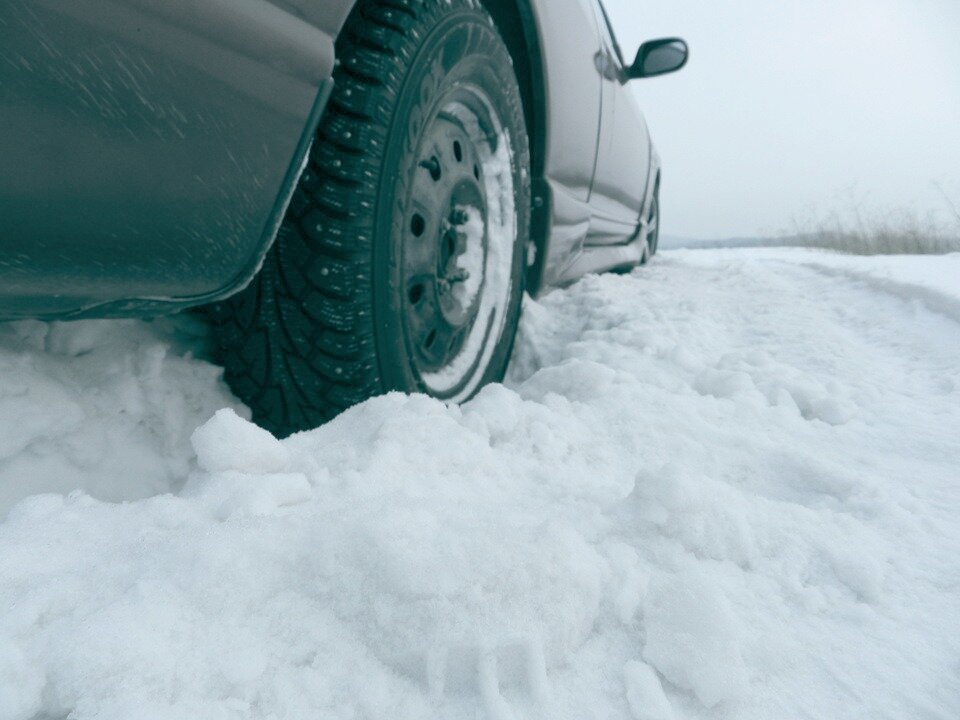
{"x":879,"y":240}
{"x":895,"y":233}
{"x":857,"y":231}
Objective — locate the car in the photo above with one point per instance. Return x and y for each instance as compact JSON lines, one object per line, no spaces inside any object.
{"x":356,"y":193}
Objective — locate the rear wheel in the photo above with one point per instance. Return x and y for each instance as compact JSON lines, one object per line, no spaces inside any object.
{"x":400,"y":263}
{"x":653,"y":227}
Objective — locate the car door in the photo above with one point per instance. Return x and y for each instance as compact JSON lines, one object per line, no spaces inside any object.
{"x":623,"y":152}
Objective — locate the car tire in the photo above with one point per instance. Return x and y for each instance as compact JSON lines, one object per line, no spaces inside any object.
{"x":400,"y":263}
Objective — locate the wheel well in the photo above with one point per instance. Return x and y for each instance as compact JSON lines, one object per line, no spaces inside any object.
{"x":517,"y":25}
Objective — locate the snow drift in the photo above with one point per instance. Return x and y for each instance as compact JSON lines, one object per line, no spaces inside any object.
{"x":723,"y":486}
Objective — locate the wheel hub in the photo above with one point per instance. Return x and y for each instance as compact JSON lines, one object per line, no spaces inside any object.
{"x":460,"y":255}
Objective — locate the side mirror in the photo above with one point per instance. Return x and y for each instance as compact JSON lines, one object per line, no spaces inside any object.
{"x":659,"y":57}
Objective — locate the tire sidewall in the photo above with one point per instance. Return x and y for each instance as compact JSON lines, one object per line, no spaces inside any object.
{"x":462,"y":46}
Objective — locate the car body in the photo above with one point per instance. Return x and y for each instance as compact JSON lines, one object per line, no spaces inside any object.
{"x":150,"y":147}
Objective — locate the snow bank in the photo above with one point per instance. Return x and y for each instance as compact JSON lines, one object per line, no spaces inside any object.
{"x":720,"y":487}
{"x":103,"y":406}
{"x":932,"y":281}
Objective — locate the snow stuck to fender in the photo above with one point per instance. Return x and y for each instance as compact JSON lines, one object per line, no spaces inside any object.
{"x":723,"y":486}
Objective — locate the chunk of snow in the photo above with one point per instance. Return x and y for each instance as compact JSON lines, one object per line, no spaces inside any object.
{"x":21,"y":684}
{"x":229,"y":493}
{"x":228,"y":442}
{"x":645,"y":693}
{"x":693,"y":638}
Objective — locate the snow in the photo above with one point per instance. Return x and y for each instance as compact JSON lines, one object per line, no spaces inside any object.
{"x":471,"y":261}
{"x":930,"y":281}
{"x":107,"y":407}
{"x":724,"y":486}
{"x":645,"y":693}
{"x":228,"y":442}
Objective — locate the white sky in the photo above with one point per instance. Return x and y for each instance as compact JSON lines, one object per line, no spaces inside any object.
{"x":791,"y":110}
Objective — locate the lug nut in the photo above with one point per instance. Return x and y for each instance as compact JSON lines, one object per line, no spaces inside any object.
{"x":433,"y":167}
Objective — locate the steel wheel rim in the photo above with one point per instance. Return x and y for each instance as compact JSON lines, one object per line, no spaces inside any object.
{"x":458,"y":244}
{"x":653,"y":225}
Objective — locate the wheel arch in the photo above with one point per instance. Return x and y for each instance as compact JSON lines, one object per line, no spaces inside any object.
{"x":517,"y":23}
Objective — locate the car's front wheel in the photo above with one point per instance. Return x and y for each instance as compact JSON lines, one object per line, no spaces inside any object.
{"x":401,"y":261}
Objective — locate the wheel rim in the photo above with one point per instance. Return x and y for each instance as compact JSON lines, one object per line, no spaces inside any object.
{"x":653,"y":224}
{"x":458,"y":244}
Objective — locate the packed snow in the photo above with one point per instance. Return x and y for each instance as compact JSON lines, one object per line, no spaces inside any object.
{"x":724,"y":486}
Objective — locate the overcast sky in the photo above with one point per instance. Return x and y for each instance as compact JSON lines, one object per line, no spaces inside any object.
{"x":791,"y":110}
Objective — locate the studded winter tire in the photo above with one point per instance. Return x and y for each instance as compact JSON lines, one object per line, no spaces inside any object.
{"x":400,"y":263}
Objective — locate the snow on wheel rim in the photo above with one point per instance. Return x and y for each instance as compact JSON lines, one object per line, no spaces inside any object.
{"x":481,"y":283}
